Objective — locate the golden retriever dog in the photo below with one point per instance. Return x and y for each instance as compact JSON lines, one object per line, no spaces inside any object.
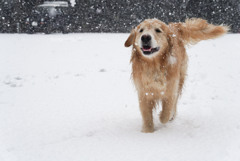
{"x":159,"y":62}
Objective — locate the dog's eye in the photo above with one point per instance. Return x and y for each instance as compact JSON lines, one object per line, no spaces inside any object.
{"x":157,"y":30}
{"x":141,"y":30}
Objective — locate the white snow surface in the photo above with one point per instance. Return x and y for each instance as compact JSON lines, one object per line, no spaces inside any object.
{"x":71,"y":98}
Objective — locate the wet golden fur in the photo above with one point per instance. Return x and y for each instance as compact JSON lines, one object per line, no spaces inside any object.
{"x":161,"y":77}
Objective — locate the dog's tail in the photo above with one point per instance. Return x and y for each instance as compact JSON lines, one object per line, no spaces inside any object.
{"x":196,"y":29}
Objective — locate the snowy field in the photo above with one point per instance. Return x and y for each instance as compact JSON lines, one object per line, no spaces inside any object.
{"x":70,"y":98}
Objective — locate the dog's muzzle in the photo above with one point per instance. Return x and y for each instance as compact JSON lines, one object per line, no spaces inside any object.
{"x":146,"y":45}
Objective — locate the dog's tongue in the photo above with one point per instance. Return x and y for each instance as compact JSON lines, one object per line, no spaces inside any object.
{"x":147,"y":48}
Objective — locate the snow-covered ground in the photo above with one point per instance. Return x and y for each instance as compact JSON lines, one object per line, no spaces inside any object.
{"x":70,"y":98}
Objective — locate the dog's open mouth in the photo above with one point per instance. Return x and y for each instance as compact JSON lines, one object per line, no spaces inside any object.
{"x":147,"y":50}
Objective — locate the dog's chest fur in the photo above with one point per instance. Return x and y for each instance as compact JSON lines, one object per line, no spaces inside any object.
{"x":149,"y":77}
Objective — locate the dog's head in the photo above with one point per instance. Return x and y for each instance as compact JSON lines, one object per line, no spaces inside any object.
{"x":149,"y":38}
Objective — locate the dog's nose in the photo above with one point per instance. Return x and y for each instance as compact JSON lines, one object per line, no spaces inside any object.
{"x":146,"y":38}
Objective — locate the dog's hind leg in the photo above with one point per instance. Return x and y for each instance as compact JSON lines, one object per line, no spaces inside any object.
{"x":169,"y":102}
{"x":183,"y":71}
{"x":174,"y":109}
{"x":168,"y":109}
{"x":180,"y":87}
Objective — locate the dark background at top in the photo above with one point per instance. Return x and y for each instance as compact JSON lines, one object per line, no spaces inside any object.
{"x":122,"y":16}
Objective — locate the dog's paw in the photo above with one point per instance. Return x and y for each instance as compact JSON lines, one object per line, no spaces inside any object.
{"x":164,"y":118}
{"x":147,"y":130}
{"x":172,"y":117}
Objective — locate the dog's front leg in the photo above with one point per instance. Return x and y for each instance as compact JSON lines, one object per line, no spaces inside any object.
{"x":146,"y":107}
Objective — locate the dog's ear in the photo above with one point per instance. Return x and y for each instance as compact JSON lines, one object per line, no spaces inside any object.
{"x":130,"y":39}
